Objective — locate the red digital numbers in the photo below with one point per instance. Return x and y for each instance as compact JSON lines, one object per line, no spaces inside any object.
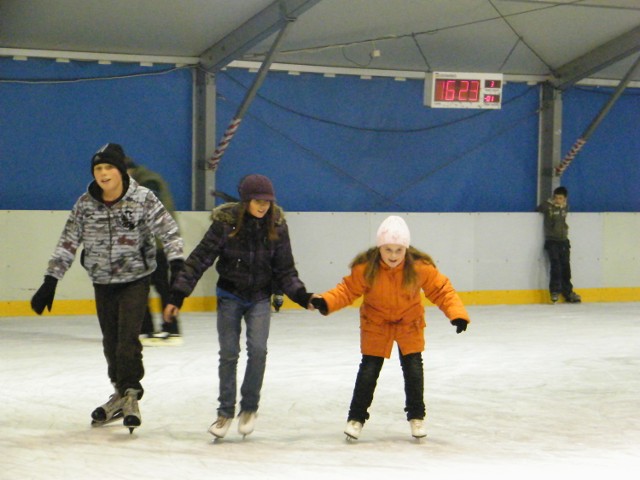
{"x":457,"y":90}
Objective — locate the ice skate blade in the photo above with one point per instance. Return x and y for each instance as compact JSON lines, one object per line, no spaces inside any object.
{"x":131,"y":422}
{"x":162,"y":342}
{"x":350,"y":438}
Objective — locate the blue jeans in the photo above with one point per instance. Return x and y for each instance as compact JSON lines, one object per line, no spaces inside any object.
{"x":257,"y":317}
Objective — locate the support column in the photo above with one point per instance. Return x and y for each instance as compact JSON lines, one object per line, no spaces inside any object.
{"x":550,"y":140}
{"x":204,"y":140}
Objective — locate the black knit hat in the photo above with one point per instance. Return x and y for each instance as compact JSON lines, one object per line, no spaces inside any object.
{"x":256,"y":187}
{"x":111,"y":153}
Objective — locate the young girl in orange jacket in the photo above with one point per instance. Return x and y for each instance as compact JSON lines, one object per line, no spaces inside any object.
{"x":390,"y":276}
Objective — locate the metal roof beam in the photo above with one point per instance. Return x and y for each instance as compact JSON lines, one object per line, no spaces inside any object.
{"x":270,"y":20}
{"x":597,"y":59}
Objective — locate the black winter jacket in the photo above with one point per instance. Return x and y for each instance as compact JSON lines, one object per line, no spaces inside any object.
{"x":249,"y":264}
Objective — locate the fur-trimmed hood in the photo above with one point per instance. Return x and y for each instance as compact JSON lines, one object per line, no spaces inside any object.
{"x":249,"y":263}
{"x":228,"y":213}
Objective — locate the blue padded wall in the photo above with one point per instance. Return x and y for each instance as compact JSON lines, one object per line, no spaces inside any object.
{"x":55,"y":118}
{"x":605,"y":175}
{"x":348,"y":144}
{"x":329,"y":144}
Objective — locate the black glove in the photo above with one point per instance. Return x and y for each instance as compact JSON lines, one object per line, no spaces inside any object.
{"x":176,"y":267}
{"x":44,"y":296}
{"x":460,"y":324}
{"x":301,"y":297}
{"x":321,"y":305}
{"x":176,"y":298}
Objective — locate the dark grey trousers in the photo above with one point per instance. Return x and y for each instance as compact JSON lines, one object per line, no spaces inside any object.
{"x":121,"y":308}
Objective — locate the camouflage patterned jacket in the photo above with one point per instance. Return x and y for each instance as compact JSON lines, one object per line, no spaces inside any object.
{"x":248,"y":263}
{"x":555,"y":221}
{"x":119,"y":241}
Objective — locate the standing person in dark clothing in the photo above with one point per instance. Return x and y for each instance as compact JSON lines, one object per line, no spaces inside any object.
{"x":116,"y":221}
{"x":558,"y":247}
{"x":250,"y":241}
{"x":170,"y":331}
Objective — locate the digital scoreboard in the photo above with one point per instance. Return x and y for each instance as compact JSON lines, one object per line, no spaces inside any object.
{"x":463,"y":90}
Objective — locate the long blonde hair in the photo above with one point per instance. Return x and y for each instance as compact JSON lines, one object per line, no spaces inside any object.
{"x":372,"y":258}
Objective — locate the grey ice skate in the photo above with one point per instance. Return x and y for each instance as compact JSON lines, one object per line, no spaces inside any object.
{"x":130,"y":410}
{"x":109,"y":411}
{"x":573,"y":297}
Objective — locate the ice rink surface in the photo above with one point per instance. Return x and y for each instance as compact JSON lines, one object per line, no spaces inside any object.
{"x":532,"y":391}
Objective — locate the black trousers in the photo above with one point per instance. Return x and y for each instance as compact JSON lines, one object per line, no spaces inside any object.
{"x":559,"y":253}
{"x":367,"y":379}
{"x":120,"y":311}
{"x":160,"y":281}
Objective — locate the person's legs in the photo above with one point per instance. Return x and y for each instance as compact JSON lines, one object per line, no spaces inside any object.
{"x":147,"y":323}
{"x":564,"y":257}
{"x":132,"y":302}
{"x":555,"y":266}
{"x":258,"y":320}
{"x":120,"y":310}
{"x":160,"y":281}
{"x":366,"y":382}
{"x":229,"y":327}
{"x":413,"y":373}
{"x":107,"y":309}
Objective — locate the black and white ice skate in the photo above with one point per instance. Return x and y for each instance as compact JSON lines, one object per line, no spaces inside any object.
{"x":130,"y":410}
{"x":100,"y":423}
{"x":131,"y":422}
{"x":108,"y":412}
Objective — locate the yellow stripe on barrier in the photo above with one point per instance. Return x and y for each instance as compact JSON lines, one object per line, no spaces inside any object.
{"x":22,"y":308}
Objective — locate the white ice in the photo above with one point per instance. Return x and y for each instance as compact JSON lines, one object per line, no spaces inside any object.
{"x":528,"y":391}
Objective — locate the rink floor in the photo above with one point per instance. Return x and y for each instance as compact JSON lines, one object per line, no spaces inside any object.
{"x":528,"y":391}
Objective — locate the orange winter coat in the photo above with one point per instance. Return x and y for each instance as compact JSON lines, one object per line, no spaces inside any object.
{"x":391,"y":313}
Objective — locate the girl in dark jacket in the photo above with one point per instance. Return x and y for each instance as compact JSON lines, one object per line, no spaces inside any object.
{"x":250,"y":241}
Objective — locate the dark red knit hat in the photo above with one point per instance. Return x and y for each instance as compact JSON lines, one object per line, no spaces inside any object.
{"x":256,"y":187}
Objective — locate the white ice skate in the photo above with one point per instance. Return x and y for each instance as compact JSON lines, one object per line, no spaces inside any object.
{"x":353,"y":429}
{"x":130,"y":409}
{"x":109,"y":411}
{"x":246,"y":423}
{"x":417,"y":428}
{"x":220,"y":427}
